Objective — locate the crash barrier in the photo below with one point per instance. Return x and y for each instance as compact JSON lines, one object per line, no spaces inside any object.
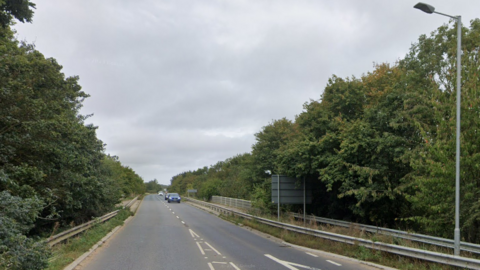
{"x":58,"y":238}
{"x":391,"y":248}
{"x":237,"y":203}
{"x":419,"y":238}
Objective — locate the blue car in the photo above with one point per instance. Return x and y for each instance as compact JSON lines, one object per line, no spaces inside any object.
{"x":174,"y":197}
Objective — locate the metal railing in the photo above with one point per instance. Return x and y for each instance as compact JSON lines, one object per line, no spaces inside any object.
{"x":237,"y":203}
{"x":395,"y":249}
{"x":419,"y":238}
{"x":58,"y":238}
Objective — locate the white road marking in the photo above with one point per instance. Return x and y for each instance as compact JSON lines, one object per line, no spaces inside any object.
{"x":173,"y":212}
{"x":288,"y":265}
{"x":234,"y":266}
{"x":177,"y":217}
{"x":201,"y":249}
{"x":183,"y":222}
{"x":312,"y":254}
{"x":213,"y":248}
{"x":332,"y":262}
{"x":220,"y":262}
{"x":211,"y":266}
{"x":193,"y":233}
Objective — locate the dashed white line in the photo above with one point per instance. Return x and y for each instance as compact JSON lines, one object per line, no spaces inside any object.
{"x":211,"y":266}
{"x":183,"y":222}
{"x":311,"y":254}
{"x":332,"y":262}
{"x":177,"y":217}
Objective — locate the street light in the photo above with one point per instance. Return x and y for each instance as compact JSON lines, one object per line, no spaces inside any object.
{"x":430,"y":9}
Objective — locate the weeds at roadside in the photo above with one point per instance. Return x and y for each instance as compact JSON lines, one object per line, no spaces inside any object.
{"x":353,"y":251}
{"x":64,"y":254}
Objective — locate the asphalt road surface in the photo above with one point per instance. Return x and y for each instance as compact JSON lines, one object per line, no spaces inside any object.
{"x":180,"y":236}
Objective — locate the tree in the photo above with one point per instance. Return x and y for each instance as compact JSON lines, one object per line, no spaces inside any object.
{"x":153,"y":186}
{"x":433,"y":59}
{"x":17,"y":217}
{"x":269,"y":142}
{"x":18,"y":9}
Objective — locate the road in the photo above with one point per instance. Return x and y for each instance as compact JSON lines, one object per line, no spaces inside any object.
{"x":180,"y":236}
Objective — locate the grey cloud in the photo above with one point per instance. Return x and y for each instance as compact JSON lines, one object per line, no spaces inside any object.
{"x":177,"y":85}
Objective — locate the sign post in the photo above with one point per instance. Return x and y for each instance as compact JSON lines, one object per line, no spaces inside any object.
{"x":278,"y":198}
{"x":191,"y":191}
{"x":290,"y":191}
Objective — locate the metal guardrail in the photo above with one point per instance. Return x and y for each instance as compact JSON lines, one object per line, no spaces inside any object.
{"x":395,"y":249}
{"x":237,"y":203}
{"x":420,"y":238}
{"x":55,"y":239}
{"x":130,"y":203}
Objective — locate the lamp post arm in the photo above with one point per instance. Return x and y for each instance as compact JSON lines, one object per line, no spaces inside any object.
{"x":453,"y":17}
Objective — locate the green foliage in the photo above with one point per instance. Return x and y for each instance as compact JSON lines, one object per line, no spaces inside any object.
{"x":270,"y":141}
{"x":379,"y":149}
{"x":233,"y":177}
{"x":65,"y":254}
{"x":153,"y":186}
{"x":434,"y":58}
{"x":129,"y":182}
{"x":261,"y":197}
{"x":209,"y":188}
{"x":52,"y":165}
{"x":17,"y":217}
{"x":18,"y":9}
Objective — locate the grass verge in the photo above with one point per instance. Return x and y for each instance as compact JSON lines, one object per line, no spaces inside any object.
{"x":64,"y":254}
{"x":352,"y":251}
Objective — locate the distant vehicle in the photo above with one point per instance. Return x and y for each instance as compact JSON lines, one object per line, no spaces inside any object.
{"x":160,"y":193}
{"x":174,"y":197}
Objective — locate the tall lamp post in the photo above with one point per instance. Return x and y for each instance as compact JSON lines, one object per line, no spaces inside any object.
{"x":429,"y":9}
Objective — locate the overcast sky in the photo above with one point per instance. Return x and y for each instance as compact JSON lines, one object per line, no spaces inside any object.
{"x":176,"y":85}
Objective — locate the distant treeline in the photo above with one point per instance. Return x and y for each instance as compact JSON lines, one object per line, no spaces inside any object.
{"x":379,"y":149}
{"x":53,"y":169}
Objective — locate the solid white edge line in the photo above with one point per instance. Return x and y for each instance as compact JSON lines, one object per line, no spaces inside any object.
{"x":312,"y":254}
{"x":213,"y":248}
{"x":211,"y":266}
{"x":201,"y":249}
{"x":234,"y":266}
{"x":332,"y":262}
